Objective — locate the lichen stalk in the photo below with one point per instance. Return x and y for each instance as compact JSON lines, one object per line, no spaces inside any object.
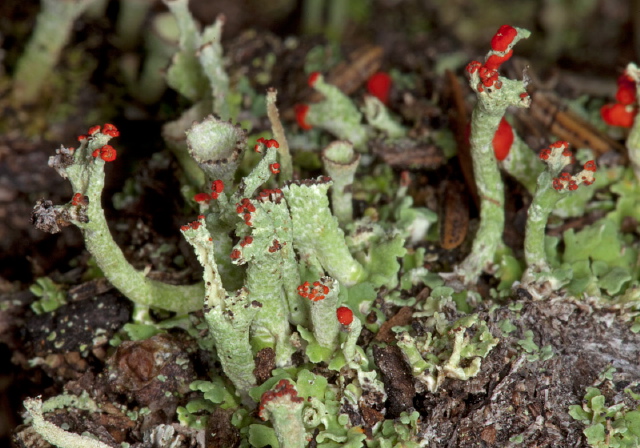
{"x":491,"y":192}
{"x":317,"y":236}
{"x":131,"y":17}
{"x":336,"y":113}
{"x":633,"y":146}
{"x":286,"y":162}
{"x":87,"y":177}
{"x":541,"y":207}
{"x":259,"y":175}
{"x":522,"y":164}
{"x":341,"y":162}
{"x":161,"y":41}
{"x":210,"y":56}
{"x":380,"y":117}
{"x":54,"y":434}
{"x":324,"y":322}
{"x":228,"y":316}
{"x":495,"y":94}
{"x":216,"y":146}
{"x":263,"y":252}
{"x":283,"y":408}
{"x":277,"y":236}
{"x":552,"y":185}
{"x":185,"y":73}
{"x":349,"y":347}
{"x":52,"y":31}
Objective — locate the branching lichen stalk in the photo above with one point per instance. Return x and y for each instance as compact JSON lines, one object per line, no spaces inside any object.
{"x":228,"y":316}
{"x":266,"y":257}
{"x":87,"y":177}
{"x":552,"y":185}
{"x":494,"y":94}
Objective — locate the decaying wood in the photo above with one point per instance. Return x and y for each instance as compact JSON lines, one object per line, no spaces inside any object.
{"x":352,"y":73}
{"x":459,"y":122}
{"x":454,"y":215}
{"x":348,"y":75}
{"x":402,"y":317}
{"x":408,"y":154}
{"x":547,"y":109}
{"x":549,"y":115}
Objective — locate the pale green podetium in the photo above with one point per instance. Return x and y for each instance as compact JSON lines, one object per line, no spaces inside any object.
{"x":52,"y":31}
{"x":283,"y":408}
{"x":217,"y":146}
{"x":380,"y":118}
{"x":492,"y":103}
{"x":86,"y":174}
{"x":286,"y":162}
{"x":161,"y":42}
{"x":54,"y":434}
{"x":323,"y":312}
{"x":228,"y":316}
{"x":272,"y":275}
{"x":340,"y":163}
{"x":336,"y":113}
{"x":552,"y":186}
{"x":317,"y":237}
{"x":522,"y":164}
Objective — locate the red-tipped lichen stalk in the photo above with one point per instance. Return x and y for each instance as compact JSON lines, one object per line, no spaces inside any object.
{"x":352,"y":325}
{"x":84,"y":167}
{"x":624,"y":112}
{"x":272,"y":276}
{"x":323,"y":298}
{"x":494,"y":93}
{"x":344,"y":316}
{"x":228,"y":315}
{"x":283,"y":408}
{"x":552,"y":185}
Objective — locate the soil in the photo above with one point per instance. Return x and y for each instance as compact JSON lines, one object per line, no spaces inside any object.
{"x":512,"y":395}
